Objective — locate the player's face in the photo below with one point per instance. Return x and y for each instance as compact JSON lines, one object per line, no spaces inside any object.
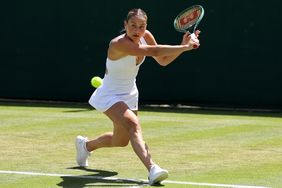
{"x":135,"y":27}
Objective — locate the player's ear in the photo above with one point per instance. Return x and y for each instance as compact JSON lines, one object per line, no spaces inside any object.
{"x":125,"y":24}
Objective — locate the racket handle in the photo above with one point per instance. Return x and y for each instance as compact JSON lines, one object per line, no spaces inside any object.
{"x":193,"y":36}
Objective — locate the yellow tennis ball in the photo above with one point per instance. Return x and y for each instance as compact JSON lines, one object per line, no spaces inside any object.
{"x":96,"y":81}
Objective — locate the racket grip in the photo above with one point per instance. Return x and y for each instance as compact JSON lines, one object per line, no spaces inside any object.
{"x":193,"y":36}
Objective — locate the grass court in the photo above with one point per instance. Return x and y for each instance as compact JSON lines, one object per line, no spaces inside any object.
{"x":200,"y":148}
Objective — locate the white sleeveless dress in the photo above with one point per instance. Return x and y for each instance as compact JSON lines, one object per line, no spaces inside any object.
{"x":119,"y":84}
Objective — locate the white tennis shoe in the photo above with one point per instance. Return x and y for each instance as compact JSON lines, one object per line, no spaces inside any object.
{"x":157,"y":175}
{"x":81,"y":152}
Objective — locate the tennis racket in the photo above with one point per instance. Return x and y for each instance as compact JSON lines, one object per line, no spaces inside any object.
{"x":188,"y":20}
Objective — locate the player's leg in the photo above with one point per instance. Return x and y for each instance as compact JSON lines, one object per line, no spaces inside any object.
{"x":127,"y":127}
{"x":122,"y":116}
{"x":118,"y":138}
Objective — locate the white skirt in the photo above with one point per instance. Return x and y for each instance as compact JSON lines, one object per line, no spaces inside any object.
{"x":102,"y":99}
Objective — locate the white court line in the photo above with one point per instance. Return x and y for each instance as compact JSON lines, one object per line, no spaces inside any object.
{"x":128,"y":180}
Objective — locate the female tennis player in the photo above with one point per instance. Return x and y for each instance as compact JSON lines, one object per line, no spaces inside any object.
{"x":117,"y":97}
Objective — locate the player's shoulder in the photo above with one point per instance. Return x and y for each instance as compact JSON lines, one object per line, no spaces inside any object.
{"x":119,"y":40}
{"x":148,"y":34}
{"x":149,"y":37}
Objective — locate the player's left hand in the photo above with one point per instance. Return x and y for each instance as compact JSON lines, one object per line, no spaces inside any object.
{"x":186,"y":38}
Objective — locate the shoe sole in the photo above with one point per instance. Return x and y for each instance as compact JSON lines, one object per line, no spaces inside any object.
{"x":159,"y":177}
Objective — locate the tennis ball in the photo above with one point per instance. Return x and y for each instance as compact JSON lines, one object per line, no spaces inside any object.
{"x":96,"y":81}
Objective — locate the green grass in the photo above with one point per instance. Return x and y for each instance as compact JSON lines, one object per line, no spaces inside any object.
{"x":195,"y":146}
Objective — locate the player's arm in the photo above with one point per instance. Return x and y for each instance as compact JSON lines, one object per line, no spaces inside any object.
{"x":167,"y":59}
{"x":122,"y":46}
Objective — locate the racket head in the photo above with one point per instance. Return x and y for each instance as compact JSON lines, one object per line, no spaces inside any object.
{"x":188,"y":18}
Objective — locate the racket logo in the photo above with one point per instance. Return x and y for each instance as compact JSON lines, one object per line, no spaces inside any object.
{"x":189,"y":17}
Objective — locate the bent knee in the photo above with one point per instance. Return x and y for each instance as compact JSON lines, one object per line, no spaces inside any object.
{"x":122,"y":143}
{"x":135,"y":129}
{"x":133,"y":126}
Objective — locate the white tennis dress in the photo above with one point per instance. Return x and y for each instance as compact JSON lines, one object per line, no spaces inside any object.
{"x":119,"y":84}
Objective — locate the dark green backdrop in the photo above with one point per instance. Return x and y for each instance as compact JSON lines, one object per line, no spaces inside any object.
{"x":49,"y":50}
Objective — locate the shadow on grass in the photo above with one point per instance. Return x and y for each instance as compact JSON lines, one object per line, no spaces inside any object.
{"x":100,"y":178}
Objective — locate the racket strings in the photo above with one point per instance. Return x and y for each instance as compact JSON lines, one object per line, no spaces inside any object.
{"x":188,"y":18}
